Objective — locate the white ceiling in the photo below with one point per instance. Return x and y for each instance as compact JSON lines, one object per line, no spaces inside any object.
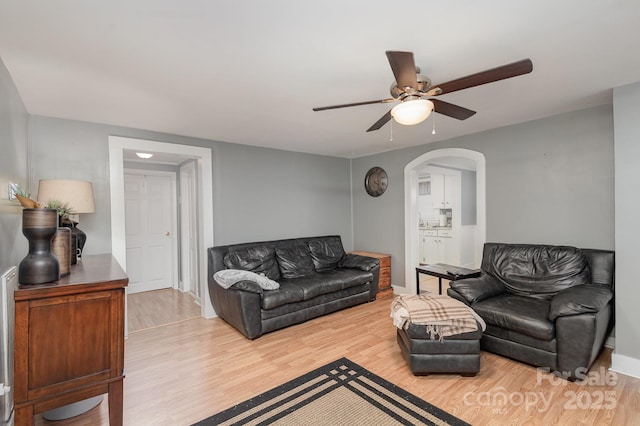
{"x":250,"y":71}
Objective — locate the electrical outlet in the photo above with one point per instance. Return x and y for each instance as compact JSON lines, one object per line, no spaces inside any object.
{"x":12,"y":191}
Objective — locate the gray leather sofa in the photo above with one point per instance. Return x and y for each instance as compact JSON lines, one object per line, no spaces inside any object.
{"x":548,"y":306}
{"x":315,"y":274}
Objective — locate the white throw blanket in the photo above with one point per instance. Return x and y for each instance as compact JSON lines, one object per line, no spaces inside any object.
{"x":442,"y":315}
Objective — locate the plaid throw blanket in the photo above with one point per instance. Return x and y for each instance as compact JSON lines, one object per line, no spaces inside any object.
{"x":442,"y":315}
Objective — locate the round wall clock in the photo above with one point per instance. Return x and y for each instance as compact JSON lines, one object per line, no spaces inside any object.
{"x":376,"y":181}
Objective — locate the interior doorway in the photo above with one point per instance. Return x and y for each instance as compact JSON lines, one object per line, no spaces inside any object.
{"x":412,"y":218}
{"x":118,"y":146}
{"x":151,"y":230}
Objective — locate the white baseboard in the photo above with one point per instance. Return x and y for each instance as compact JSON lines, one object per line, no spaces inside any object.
{"x":625,"y":365}
{"x":399,"y":290}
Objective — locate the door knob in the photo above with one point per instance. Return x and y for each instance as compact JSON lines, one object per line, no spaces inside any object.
{"x":167,"y":233}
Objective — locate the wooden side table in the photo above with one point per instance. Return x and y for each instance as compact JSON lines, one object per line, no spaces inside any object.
{"x":385,"y":268}
{"x":69,"y":340}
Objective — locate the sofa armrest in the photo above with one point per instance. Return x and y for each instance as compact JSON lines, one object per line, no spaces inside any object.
{"x":580,"y":339}
{"x":246,"y":285}
{"x":366,"y":264}
{"x":478,"y":288}
{"x":581,"y":299}
{"x":239,"y":305}
{"x":356,"y":261}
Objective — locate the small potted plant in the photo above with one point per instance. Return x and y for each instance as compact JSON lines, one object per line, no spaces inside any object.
{"x":63,"y":210}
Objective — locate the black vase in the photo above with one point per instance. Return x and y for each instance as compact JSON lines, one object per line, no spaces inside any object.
{"x":40,"y":265}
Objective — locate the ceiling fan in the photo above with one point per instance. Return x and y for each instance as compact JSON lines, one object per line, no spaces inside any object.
{"x":412,"y":88}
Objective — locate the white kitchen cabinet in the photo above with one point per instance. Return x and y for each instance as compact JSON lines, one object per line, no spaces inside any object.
{"x":437,"y":190}
{"x":442,"y":190}
{"x":448,"y":250}
{"x":426,"y":244}
{"x":439,"y":246}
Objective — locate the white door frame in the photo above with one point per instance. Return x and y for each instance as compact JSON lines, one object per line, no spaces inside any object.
{"x":411,"y":238}
{"x":117,"y":145}
{"x":174,"y":214}
{"x":188,"y":216}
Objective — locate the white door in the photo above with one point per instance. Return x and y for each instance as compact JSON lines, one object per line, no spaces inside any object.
{"x":149,"y":228}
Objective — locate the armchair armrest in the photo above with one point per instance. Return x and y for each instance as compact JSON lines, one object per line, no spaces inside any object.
{"x":356,"y":261}
{"x":479,"y":288}
{"x":581,"y":299}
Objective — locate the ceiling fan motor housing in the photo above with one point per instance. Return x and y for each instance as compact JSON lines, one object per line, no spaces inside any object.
{"x":424,"y":83}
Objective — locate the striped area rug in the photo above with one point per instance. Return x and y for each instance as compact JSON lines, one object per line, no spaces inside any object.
{"x":340,"y":393}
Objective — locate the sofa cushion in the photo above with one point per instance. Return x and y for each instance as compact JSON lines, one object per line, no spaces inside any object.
{"x":261,"y":260}
{"x":295,"y":261}
{"x":330,"y":281}
{"x":539,"y":271}
{"x":523,"y":339}
{"x":326,"y":253}
{"x":526,"y":315}
{"x":287,"y":293}
{"x":325,"y":303}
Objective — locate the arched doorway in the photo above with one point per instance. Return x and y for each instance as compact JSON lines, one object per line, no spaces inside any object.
{"x":412,"y":245}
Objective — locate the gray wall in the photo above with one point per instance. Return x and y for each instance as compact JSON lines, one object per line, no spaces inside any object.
{"x":627,"y":205}
{"x":548,"y":181}
{"x":468,"y":195}
{"x":258,"y":193}
{"x":13,"y":168}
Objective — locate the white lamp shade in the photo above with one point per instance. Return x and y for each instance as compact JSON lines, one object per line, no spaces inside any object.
{"x":412,"y":112}
{"x":76,"y":193}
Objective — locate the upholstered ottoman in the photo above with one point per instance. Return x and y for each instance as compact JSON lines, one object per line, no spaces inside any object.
{"x":458,"y":354}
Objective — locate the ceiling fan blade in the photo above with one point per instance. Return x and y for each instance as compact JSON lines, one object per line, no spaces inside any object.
{"x":514,"y":69}
{"x":379,"y":101}
{"x":383,"y":120}
{"x":404,"y":68}
{"x":451,"y":110}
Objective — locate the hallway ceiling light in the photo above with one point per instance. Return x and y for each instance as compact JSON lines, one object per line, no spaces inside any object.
{"x":412,"y":111}
{"x":144,"y":155}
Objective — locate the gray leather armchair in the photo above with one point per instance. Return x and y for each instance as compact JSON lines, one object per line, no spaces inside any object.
{"x":548,"y":306}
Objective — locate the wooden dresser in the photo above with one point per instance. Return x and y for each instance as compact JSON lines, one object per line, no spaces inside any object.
{"x":69,"y":339}
{"x":384,"y":283}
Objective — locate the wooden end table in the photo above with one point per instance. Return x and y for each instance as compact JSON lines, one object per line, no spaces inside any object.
{"x":69,"y":340}
{"x":442,"y":270}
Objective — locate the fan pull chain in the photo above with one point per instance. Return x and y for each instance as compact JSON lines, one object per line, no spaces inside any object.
{"x":391,"y":132}
{"x":433,"y":120}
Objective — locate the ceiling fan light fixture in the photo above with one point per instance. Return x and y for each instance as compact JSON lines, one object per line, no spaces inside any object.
{"x":412,"y":112}
{"x":144,"y":155}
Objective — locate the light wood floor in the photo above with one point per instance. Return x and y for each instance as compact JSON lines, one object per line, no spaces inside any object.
{"x":186,"y":371}
{"x":151,"y":309}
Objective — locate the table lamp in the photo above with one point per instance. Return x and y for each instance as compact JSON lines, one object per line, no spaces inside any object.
{"x":77,"y":194}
